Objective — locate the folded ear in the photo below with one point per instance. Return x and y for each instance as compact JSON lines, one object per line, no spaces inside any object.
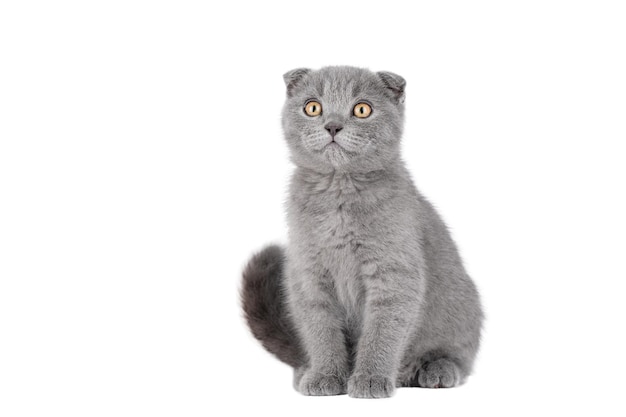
{"x":394,"y":83}
{"x":293,"y":77}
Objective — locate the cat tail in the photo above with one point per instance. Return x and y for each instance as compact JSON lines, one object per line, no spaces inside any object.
{"x":265,"y":306}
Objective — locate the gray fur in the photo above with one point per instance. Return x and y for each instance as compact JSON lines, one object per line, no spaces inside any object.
{"x":373,"y":283}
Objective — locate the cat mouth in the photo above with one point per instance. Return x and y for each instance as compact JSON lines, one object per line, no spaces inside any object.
{"x":336,"y":152}
{"x":332,"y":144}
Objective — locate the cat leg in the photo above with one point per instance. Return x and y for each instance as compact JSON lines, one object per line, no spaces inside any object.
{"x":319,"y":323}
{"x":389,"y":314}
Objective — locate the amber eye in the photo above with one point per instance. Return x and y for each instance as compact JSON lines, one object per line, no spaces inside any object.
{"x":313,"y":108}
{"x":362,"y":110}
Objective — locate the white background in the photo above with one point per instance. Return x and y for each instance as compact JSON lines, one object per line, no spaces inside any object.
{"x":141,"y":163}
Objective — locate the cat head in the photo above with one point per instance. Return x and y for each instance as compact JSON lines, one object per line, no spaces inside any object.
{"x":343,"y":118}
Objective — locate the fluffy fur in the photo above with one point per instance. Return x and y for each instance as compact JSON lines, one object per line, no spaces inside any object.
{"x":370,"y":293}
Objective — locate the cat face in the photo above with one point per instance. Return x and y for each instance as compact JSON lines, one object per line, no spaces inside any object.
{"x":343,"y":118}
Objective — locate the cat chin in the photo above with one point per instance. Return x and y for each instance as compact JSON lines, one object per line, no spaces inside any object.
{"x":336,"y":155}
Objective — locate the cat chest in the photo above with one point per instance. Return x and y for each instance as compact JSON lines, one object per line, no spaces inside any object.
{"x":339,"y":238}
{"x":336,"y":233}
{"x":344,"y":269}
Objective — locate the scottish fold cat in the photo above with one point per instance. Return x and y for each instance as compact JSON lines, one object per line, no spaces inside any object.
{"x":370,"y":293}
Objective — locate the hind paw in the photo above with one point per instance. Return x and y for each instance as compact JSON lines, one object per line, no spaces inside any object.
{"x":440,"y":373}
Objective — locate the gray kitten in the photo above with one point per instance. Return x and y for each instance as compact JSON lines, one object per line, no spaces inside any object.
{"x":370,"y":294}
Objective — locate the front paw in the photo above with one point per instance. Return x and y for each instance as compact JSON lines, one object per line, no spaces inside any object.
{"x":316,"y":383}
{"x":370,"y":386}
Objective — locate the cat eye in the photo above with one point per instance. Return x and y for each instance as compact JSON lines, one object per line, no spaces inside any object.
{"x":362,"y":110}
{"x":313,"y":108}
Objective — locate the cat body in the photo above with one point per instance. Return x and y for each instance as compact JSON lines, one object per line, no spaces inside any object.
{"x":370,"y":292}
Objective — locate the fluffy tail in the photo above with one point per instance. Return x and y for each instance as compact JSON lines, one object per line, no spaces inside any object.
{"x":265,"y":308}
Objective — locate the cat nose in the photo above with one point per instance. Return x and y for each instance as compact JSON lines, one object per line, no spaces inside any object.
{"x":333,"y":128}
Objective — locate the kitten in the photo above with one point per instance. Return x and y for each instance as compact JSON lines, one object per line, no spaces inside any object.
{"x":370,"y":294}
